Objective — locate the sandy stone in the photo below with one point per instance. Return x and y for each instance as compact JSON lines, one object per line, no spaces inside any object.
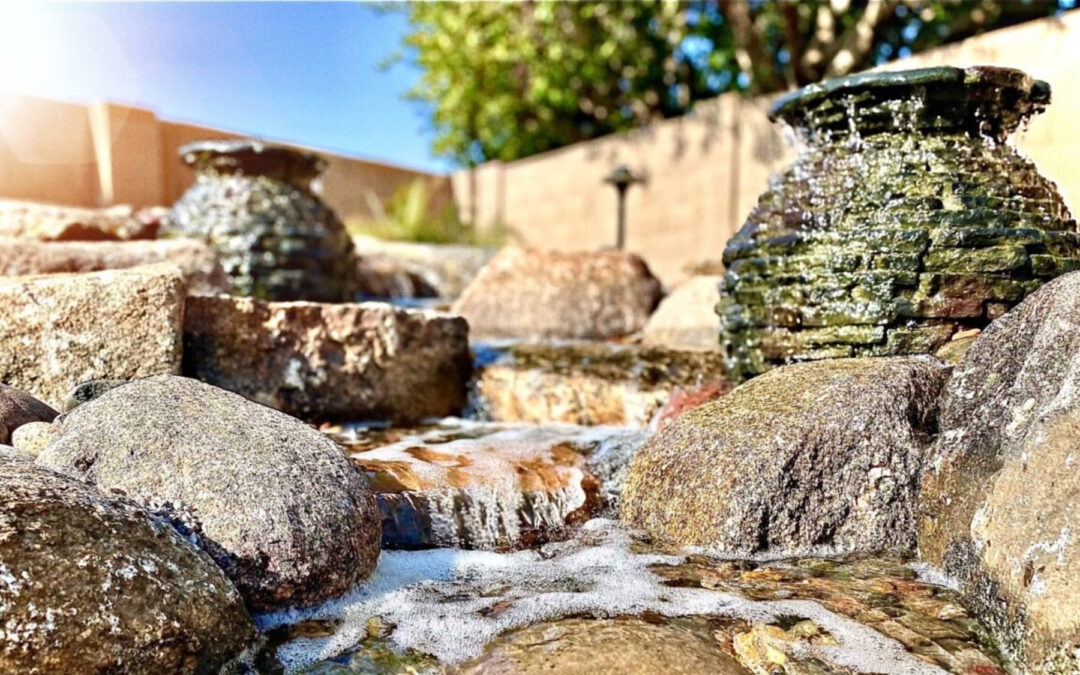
{"x":277,"y":504}
{"x":414,"y":268}
{"x":32,"y":437}
{"x":18,"y":408}
{"x":536,"y":294}
{"x":196,"y":260}
{"x":999,"y":510}
{"x":587,"y":383}
{"x":686,"y":318}
{"x":330,"y":361}
{"x":816,"y":456}
{"x":52,"y":222}
{"x":90,"y":584}
{"x":59,"y":330}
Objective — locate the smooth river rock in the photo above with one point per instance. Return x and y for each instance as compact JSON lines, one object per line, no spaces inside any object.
{"x":535,"y":294}
{"x":92,"y":584}
{"x":59,"y":330}
{"x":18,"y":408}
{"x":686,"y":318}
{"x":196,"y":260}
{"x":1000,"y":510}
{"x":277,"y":504}
{"x":822,"y":456}
{"x":321,"y":361}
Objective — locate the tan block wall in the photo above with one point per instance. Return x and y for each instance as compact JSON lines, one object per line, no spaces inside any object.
{"x":105,"y":154}
{"x":706,"y":170}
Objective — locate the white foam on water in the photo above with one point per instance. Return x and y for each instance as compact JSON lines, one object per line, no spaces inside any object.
{"x":450,"y":603}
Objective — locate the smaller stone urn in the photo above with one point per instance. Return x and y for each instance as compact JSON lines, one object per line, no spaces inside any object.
{"x":276,"y":240}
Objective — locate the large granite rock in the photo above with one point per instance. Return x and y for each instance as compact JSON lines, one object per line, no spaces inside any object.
{"x":535,"y":294}
{"x":277,"y":504}
{"x":587,"y":383}
{"x":197,"y":261}
{"x":999,"y":510}
{"x":53,"y":222}
{"x":817,"y":456}
{"x":90,"y":584}
{"x":18,"y":408}
{"x":686,"y":318}
{"x":59,"y":330}
{"x":330,"y":361}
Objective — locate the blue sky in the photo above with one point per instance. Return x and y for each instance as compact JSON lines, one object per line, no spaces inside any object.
{"x":306,"y":73}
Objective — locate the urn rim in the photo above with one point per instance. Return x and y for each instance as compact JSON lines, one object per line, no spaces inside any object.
{"x":253,"y":157}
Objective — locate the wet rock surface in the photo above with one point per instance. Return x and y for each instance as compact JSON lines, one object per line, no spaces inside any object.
{"x":535,"y":294}
{"x":90,"y":584}
{"x":59,"y":330}
{"x":489,"y":486}
{"x":367,"y":361}
{"x":808,"y":457}
{"x":276,"y":504}
{"x":949,"y":226}
{"x":999,"y":508}
{"x":586,"y":382}
{"x":197,"y":261}
{"x":18,"y":408}
{"x":686,"y":318}
{"x":607,"y":593}
{"x":252,"y":202}
{"x":52,"y":222}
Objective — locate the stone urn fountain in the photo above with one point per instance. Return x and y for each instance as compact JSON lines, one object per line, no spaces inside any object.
{"x":276,"y":239}
{"x":904,"y":219}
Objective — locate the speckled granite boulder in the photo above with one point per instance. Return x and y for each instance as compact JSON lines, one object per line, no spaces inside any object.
{"x":18,"y":408}
{"x":321,"y":362}
{"x":90,"y":584}
{"x":59,"y":330}
{"x":535,"y":294}
{"x":816,"y":456}
{"x":1000,"y":510}
{"x":277,"y":504}
{"x":197,"y":261}
{"x":686,"y":318}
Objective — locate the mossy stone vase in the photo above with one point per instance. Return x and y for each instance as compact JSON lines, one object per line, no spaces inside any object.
{"x":904,"y":219}
{"x":276,"y":239}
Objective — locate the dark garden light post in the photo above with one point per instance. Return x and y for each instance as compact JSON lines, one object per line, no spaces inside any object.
{"x":622,"y":178}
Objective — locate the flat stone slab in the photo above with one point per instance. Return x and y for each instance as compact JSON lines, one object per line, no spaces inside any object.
{"x":489,"y":486}
{"x":586,"y":382}
{"x":59,"y":330}
{"x":323,"y":361}
{"x":53,"y":222}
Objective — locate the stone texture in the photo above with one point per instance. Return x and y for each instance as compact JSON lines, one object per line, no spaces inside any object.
{"x":488,"y":486}
{"x":998,"y":511}
{"x":32,"y":437}
{"x":414,"y":268}
{"x":90,"y":584}
{"x":905,"y":218}
{"x":536,"y":294}
{"x":277,"y":504}
{"x":330,"y":361}
{"x":52,"y":222}
{"x":686,"y":318}
{"x":58,"y":330}
{"x":197,"y":261}
{"x":18,"y":408}
{"x":586,"y":383}
{"x":817,"y":456}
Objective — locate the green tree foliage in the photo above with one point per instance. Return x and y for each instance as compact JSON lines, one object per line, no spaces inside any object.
{"x":509,"y":80}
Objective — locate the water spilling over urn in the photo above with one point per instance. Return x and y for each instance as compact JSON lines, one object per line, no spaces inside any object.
{"x":904,"y":219}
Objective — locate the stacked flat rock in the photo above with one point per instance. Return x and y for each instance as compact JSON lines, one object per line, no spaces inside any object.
{"x":904,"y":219}
{"x":276,"y":240}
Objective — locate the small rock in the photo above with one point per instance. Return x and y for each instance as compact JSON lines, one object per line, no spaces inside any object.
{"x":535,"y":294}
{"x":686,"y":318}
{"x":90,"y":584}
{"x":197,"y":261}
{"x":58,"y":330}
{"x":18,"y":408}
{"x":821,"y":455}
{"x":277,"y":504}
{"x":32,"y":437}
{"x":587,"y":383}
{"x":445,"y":269}
{"x":330,"y":361}
{"x":88,"y":391}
